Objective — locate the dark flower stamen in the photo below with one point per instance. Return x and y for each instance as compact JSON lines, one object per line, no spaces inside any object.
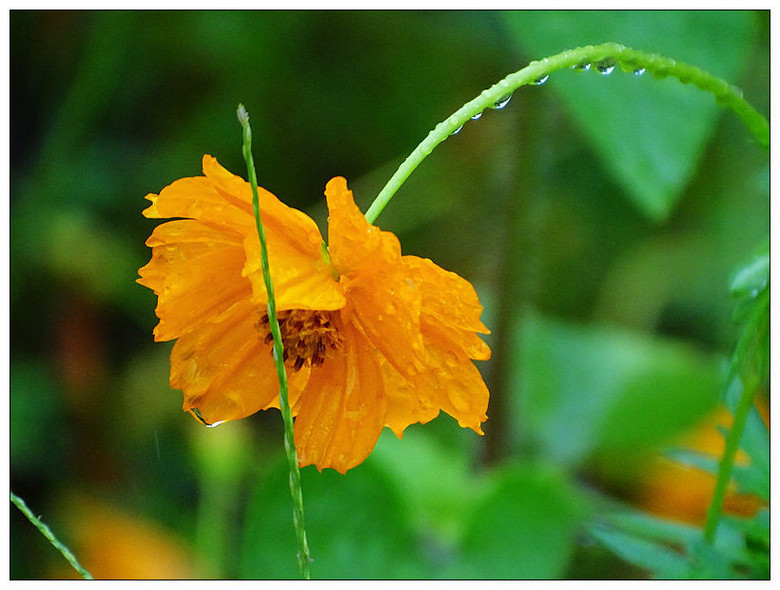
{"x":309,"y":337}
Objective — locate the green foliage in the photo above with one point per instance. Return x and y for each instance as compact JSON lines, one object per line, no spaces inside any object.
{"x":437,"y":484}
{"x":355,"y":526}
{"x":635,"y":124}
{"x":750,"y":290}
{"x":600,"y":389}
{"x":671,"y":550}
{"x":524,"y":527}
{"x":36,"y":401}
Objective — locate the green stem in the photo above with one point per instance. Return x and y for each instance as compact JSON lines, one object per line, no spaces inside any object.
{"x":748,"y":370}
{"x":726,"y":466}
{"x":296,"y":490}
{"x":628,"y":59}
{"x":46,"y":532}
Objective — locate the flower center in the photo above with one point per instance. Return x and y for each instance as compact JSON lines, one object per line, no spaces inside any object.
{"x":309,"y":337}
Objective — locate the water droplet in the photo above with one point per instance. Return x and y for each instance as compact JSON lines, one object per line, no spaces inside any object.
{"x":477,"y":116}
{"x":457,"y":130}
{"x":502,"y":102}
{"x":391,"y":309}
{"x":606,"y":66}
{"x":639,"y":71}
{"x":196,"y":412}
{"x":542,"y":80}
{"x":583,"y":67}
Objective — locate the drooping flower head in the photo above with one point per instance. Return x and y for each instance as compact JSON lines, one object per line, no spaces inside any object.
{"x":371,"y":338}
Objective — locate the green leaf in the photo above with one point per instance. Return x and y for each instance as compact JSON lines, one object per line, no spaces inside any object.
{"x":523,"y":529}
{"x":651,"y":527}
{"x":598,"y":388}
{"x":649,"y":133}
{"x":756,"y":532}
{"x":755,"y":529}
{"x":647,"y":540}
{"x":355,"y":525}
{"x":750,"y":290}
{"x":661,"y":561}
{"x":436,"y":481}
{"x":752,"y":276}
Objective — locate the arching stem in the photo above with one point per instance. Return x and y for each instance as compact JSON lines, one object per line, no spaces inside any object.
{"x":626,"y":58}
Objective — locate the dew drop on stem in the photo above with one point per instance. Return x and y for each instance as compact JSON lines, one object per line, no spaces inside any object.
{"x":502,"y":102}
{"x":477,"y":116}
{"x":582,"y":67}
{"x":639,"y":71}
{"x":542,"y":80}
{"x":457,"y":130}
{"x":606,"y":66}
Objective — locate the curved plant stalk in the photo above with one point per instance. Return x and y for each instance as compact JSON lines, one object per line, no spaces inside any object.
{"x":296,"y":490}
{"x":608,"y":54}
{"x":46,"y":532}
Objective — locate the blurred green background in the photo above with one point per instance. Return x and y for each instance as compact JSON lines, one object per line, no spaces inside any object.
{"x":599,"y":217}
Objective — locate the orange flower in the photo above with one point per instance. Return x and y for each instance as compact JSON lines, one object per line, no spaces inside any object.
{"x":371,"y":338}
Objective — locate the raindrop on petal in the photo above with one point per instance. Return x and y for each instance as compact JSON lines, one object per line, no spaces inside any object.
{"x":196,"y":412}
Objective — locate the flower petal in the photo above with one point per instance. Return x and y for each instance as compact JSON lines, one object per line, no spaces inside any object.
{"x":387,"y":306}
{"x":224,"y":369}
{"x":188,"y":259}
{"x":385,"y":300}
{"x":353,"y":242}
{"x":450,"y":303}
{"x":341,"y":411}
{"x":198,"y":198}
{"x":301,"y":279}
{"x":406,"y":404}
{"x":453,"y":382}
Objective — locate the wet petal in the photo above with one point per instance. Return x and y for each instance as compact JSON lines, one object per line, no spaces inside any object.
{"x":224,"y":369}
{"x":449,"y":303}
{"x":406,"y":404}
{"x":341,"y":411}
{"x":450,"y":382}
{"x":453,"y":383}
{"x":353,"y":242}
{"x":387,"y":305}
{"x":197,"y":198}
{"x":301,"y":279}
{"x":189,"y":259}
{"x":283,"y":222}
